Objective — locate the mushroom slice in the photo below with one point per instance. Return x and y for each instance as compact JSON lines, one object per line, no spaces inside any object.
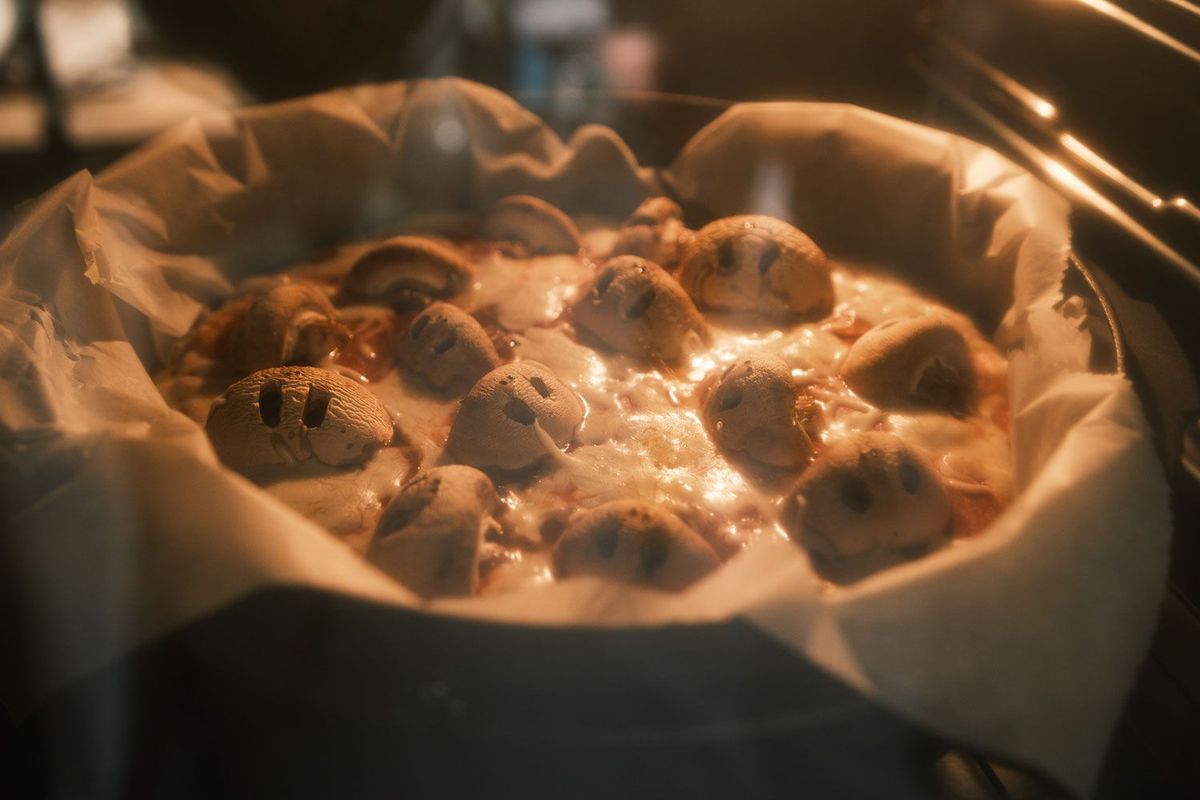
{"x":447,"y":347}
{"x":513,"y":417}
{"x":428,"y":537}
{"x":922,"y":361}
{"x":634,"y":542}
{"x":757,"y":411}
{"x":868,"y":493}
{"x":757,"y":265}
{"x":635,"y":307}
{"x":286,"y":415}
{"x":407,"y":272}
{"x":525,"y":226}
{"x":289,"y":324}
{"x":656,"y":232}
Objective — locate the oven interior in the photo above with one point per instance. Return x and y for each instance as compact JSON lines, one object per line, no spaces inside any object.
{"x":1097,"y":97}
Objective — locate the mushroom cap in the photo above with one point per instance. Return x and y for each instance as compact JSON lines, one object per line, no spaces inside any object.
{"x":654,"y":211}
{"x":760,"y":265}
{"x":407,"y":272}
{"x":447,"y":347}
{"x":635,"y":307}
{"x":756,"y":410}
{"x":529,"y":226}
{"x":634,"y":542}
{"x":428,"y":537}
{"x":289,"y":324}
{"x":920,"y":361}
{"x":497,"y":425}
{"x":654,"y":231}
{"x":867,"y":493}
{"x":296,"y":414}
{"x":664,"y":244}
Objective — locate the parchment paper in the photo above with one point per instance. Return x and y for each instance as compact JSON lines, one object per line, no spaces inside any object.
{"x":1021,"y":642}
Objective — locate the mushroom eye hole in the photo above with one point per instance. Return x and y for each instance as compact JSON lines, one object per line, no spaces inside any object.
{"x":604,"y":281}
{"x":605,"y":537}
{"x":768,"y":257}
{"x":418,"y":327}
{"x":910,"y":476}
{"x":731,"y":399}
{"x":316,"y":405}
{"x":445,"y":343}
{"x":641,"y":304}
{"x":654,"y":551}
{"x":539,"y":386}
{"x":518,"y":411}
{"x":856,"y":495}
{"x":726,"y":263}
{"x":270,"y":403}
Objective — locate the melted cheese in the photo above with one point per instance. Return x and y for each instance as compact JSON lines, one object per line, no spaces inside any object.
{"x":642,"y":436}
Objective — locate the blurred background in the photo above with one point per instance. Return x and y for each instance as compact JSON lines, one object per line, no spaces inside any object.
{"x":82,"y":81}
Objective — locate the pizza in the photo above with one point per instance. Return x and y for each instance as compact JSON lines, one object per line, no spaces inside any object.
{"x":481,"y":404}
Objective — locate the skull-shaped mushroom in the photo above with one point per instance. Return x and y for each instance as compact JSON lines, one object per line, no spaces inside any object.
{"x":407,"y":272}
{"x":635,"y":307}
{"x":525,"y":226}
{"x":512,"y":417}
{"x":655,"y":231}
{"x":297,"y":414}
{"x":289,"y":324}
{"x":428,"y":537}
{"x":756,"y":411}
{"x":872,"y":492}
{"x":634,"y":542}
{"x":760,"y":265}
{"x":921,"y":361}
{"x":447,"y":347}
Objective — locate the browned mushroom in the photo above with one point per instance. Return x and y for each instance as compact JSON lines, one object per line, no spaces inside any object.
{"x":289,"y":324}
{"x":428,"y":537}
{"x":635,"y":307}
{"x":634,"y":542}
{"x":758,"y":265}
{"x":756,"y":411}
{"x":921,"y":361}
{"x":513,"y":416}
{"x":655,"y":231}
{"x":407,"y":272}
{"x":525,"y":226}
{"x":285,"y":415}
{"x":870,"y":493}
{"x":447,"y":347}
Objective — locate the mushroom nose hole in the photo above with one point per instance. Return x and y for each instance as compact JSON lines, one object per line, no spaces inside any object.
{"x":606,"y":538}
{"x":518,"y":411}
{"x":910,"y":477}
{"x":316,"y":405}
{"x":654,"y":551}
{"x":725,"y":258}
{"x":768,"y":257}
{"x":445,"y":343}
{"x":270,"y":403}
{"x":857,"y":495}
{"x":539,"y":386}
{"x":641,"y":304}
{"x":731,"y":399}
{"x":605,"y":281}
{"x":418,"y":327}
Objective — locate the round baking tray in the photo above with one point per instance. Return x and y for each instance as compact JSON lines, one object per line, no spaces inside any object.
{"x":341,"y":697}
